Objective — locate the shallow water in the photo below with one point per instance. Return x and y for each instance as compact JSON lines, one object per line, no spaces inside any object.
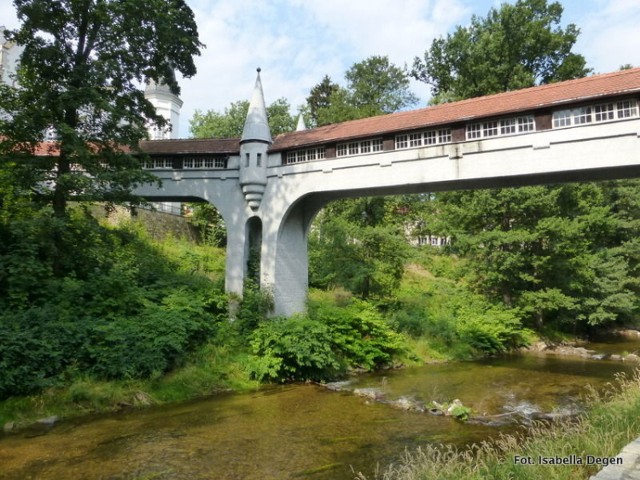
{"x":301,"y":431}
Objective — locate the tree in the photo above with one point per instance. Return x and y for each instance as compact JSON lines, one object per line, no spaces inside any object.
{"x":366,"y":259}
{"x":354,"y":243}
{"x":552,"y":253}
{"x":375,"y":86}
{"x":80,"y":77}
{"x":230,"y":123}
{"x":378,"y":86}
{"x":320,"y":98}
{"x":515,"y":46}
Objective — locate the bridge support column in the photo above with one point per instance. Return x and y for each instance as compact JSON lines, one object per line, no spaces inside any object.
{"x":236,"y":262}
{"x":285,"y":260}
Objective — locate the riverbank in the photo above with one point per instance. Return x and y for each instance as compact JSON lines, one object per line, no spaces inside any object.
{"x":212,"y":370}
{"x":566,"y":450}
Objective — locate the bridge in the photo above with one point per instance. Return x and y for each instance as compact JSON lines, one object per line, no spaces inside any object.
{"x":269,"y":190}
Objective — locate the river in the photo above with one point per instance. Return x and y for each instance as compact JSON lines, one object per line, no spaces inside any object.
{"x":304,"y":431}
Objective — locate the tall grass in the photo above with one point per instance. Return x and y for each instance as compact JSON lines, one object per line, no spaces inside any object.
{"x":612,"y":421}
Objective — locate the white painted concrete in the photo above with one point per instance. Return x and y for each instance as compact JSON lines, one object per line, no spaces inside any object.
{"x":293,"y":194}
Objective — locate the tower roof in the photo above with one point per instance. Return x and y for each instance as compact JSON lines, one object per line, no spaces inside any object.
{"x":256,"y":126}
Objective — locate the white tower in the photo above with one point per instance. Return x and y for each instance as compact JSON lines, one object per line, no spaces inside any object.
{"x":167,"y":105}
{"x":254,"y":143}
{"x":9,"y":59}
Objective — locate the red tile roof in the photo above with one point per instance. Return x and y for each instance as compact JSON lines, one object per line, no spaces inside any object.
{"x":551,"y":95}
{"x":193,"y":146}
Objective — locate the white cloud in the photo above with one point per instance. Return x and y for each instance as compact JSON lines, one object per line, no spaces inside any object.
{"x":297,"y":42}
{"x":609,"y":35}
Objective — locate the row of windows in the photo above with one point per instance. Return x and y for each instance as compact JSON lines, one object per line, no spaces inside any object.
{"x":299,"y":156}
{"x":505,"y":126}
{"x":161,"y":163}
{"x":474,"y":131}
{"x":195,"y":163}
{"x":359,"y":148}
{"x":423,"y":139}
{"x":204,"y":162}
{"x":597,"y":113}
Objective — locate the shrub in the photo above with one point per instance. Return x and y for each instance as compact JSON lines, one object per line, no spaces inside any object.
{"x":77,"y":297}
{"x":297,"y":348}
{"x":325,"y":343}
{"x":359,"y":333}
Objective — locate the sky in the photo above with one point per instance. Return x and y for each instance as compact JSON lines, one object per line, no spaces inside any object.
{"x":297,"y":42}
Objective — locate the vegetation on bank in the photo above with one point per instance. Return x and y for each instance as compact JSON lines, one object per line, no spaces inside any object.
{"x":94,"y":318}
{"x":611,"y":421}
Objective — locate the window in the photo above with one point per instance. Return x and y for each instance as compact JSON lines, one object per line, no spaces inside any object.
{"x":299,"y":156}
{"x":259,"y":160}
{"x":420,"y":139}
{"x":627,"y":109}
{"x":358,"y":148}
{"x":526,"y":124}
{"x":562,"y":119}
{"x":490,"y":129}
{"x":474,"y":130}
{"x":504,"y":126}
{"x":582,"y":115}
{"x":208,"y":163}
{"x":508,"y":126}
{"x":159,"y":163}
{"x":430,"y":138}
{"x":246,"y":159}
{"x":604,"y":112}
{"x":444,"y":136}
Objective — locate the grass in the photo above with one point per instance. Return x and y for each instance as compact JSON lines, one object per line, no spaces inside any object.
{"x":212,"y":369}
{"x":612,"y":421}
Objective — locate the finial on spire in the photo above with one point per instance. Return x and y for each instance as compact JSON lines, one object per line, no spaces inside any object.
{"x":258,"y":69}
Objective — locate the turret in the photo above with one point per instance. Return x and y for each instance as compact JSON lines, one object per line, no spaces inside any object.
{"x":167,"y":105}
{"x":301,"y":125}
{"x":254,"y":143}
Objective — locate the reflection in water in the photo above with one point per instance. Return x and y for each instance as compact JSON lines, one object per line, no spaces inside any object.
{"x":301,"y":431}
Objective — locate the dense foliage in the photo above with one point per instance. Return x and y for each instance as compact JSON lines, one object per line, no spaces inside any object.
{"x":76,"y":297}
{"x":365,"y":257}
{"x":562,"y":253}
{"x":515,"y":46}
{"x":229,"y":124}
{"x":374,"y":86}
{"x":327,"y":341}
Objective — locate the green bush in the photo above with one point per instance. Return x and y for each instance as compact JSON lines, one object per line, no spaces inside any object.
{"x":325,"y":343}
{"x":150,"y":343}
{"x":296,"y":348}
{"x":76,"y":297}
{"x":359,"y":333}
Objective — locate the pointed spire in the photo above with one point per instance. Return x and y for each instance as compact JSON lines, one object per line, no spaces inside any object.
{"x":256,"y":126}
{"x":301,"y":125}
